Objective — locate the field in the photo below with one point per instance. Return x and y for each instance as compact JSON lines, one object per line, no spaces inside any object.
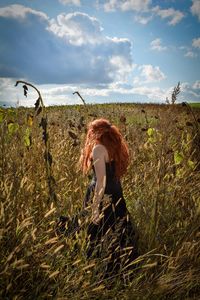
{"x":195,"y":105}
{"x":40,"y":180}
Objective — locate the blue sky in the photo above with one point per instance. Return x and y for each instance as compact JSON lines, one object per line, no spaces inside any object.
{"x":108,"y":50}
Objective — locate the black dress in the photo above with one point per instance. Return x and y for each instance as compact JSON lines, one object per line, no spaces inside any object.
{"x":115,"y":236}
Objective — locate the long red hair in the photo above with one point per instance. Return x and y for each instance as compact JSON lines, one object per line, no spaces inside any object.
{"x":103,"y":132}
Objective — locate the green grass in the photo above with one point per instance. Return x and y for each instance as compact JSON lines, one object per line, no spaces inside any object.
{"x":196,"y":105}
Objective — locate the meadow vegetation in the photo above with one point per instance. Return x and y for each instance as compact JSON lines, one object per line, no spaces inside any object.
{"x":40,"y":180}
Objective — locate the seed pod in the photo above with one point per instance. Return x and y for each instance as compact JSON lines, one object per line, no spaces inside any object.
{"x":122,"y":119}
{"x":25,"y":90}
{"x":72,"y":135}
{"x":188,"y":123}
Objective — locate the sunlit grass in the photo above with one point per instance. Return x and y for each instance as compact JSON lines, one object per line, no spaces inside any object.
{"x":161,"y":190}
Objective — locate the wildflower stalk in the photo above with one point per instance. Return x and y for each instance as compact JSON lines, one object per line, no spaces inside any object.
{"x":39,"y":107}
{"x":84,"y":103}
{"x":193,"y":115}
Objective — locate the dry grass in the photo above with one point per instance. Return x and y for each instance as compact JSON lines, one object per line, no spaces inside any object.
{"x":162,"y":192}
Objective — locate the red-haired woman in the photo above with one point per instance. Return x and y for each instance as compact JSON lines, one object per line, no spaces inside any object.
{"x":106,"y":151}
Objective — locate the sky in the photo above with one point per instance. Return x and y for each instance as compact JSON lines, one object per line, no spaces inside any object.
{"x":108,"y":50}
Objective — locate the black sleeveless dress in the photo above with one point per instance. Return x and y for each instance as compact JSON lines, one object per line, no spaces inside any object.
{"x":115,"y":236}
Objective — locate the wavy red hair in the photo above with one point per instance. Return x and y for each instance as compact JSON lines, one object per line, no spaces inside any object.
{"x":103,"y":132}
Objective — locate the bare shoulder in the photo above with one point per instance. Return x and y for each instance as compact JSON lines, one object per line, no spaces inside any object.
{"x":99,"y":150}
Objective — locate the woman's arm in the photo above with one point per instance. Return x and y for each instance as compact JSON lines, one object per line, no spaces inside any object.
{"x":98,"y":154}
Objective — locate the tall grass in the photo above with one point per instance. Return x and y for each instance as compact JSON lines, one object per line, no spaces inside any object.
{"x":161,"y":188}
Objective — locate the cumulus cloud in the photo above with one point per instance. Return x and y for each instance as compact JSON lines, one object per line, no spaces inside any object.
{"x":189,"y":89}
{"x":153,"y":93}
{"x":174,"y":16}
{"x":18,"y":11}
{"x":121,"y":67}
{"x":70,"y":2}
{"x":13,"y":96}
{"x":133,"y":5}
{"x":196,"y":43}
{"x":61,"y":94}
{"x":195,"y":8}
{"x":69,"y":49}
{"x":151,"y":73}
{"x":192,"y":52}
{"x":136,"y":5}
{"x":144,"y":10}
{"x":77,"y":28}
{"x":52,"y":94}
{"x":157,"y":45}
{"x":147,"y":93}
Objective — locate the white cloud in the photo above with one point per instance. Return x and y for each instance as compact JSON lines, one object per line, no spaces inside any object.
{"x":184,"y":86}
{"x":151,"y":73}
{"x":196,"y":85}
{"x":81,"y":30}
{"x":143,"y":19}
{"x":77,"y":28}
{"x":196,"y":95}
{"x":71,"y":2}
{"x":190,"y":54}
{"x":96,"y":92}
{"x":87,"y":92}
{"x":74,"y":43}
{"x":144,"y":7}
{"x":136,"y":80}
{"x":127,"y":5}
{"x":195,"y":8}
{"x":121,"y":68}
{"x":157,"y":45}
{"x":61,"y":94}
{"x":153,"y":93}
{"x":174,"y":16}
{"x":111,"y":5}
{"x":149,"y":93}
{"x":189,"y":89}
{"x":52,"y":94}
{"x":18,"y":11}
{"x":13,"y":96}
{"x":196,"y":43}
{"x":117,"y":40}
{"x":136,"y":5}
{"x":189,"y":51}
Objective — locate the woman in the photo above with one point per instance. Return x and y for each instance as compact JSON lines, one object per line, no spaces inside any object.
{"x":110,"y":232}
